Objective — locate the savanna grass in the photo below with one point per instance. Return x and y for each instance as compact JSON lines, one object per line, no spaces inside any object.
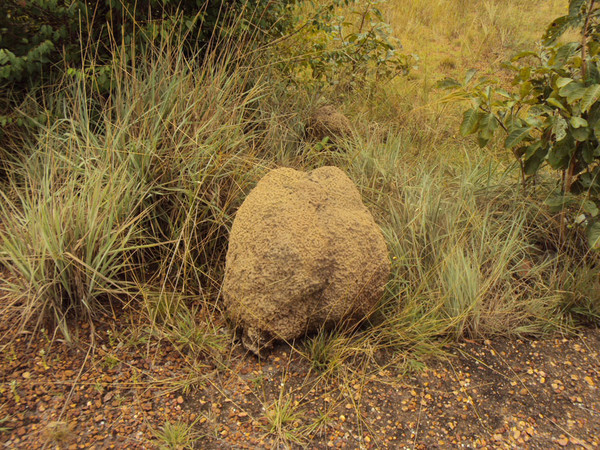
{"x":69,"y":241}
{"x":461,"y":237}
{"x":284,"y":421}
{"x":135,"y":189}
{"x":472,"y":254}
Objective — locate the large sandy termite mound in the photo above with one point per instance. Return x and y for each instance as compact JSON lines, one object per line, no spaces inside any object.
{"x":304,"y":252}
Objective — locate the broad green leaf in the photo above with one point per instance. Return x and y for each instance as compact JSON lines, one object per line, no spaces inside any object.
{"x":516,"y":136}
{"x":593,"y":74}
{"x":522,"y":55}
{"x":572,"y":92}
{"x":557,"y":29}
{"x":489,"y":92}
{"x":542,"y":110}
{"x":596,"y":128}
{"x":593,"y":235}
{"x":562,"y":82}
{"x":469,"y":76}
{"x":594,"y":49}
{"x":591,"y":96}
{"x":575,"y":7}
{"x":564,"y":53}
{"x":578,"y":122}
{"x":556,"y":202}
{"x":470,"y":122}
{"x":525,"y":89}
{"x":488,"y":124}
{"x":581,"y":134}
{"x":532,"y":165}
{"x":534,"y":122}
{"x":560,"y":153}
{"x":559,"y":128}
{"x":532,"y":149}
{"x":591,"y":208}
{"x":554,"y":102}
{"x":448,"y":83}
{"x":576,"y":61}
{"x":587,"y":152}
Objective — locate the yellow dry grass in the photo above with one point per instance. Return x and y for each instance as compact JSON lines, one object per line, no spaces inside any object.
{"x":451,"y":36}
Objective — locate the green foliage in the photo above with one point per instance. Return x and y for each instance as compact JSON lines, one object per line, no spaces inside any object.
{"x":324,"y":352}
{"x":41,"y":36}
{"x":41,"y":40}
{"x":283,"y":421}
{"x":347,"y":42}
{"x":193,"y":336}
{"x":69,"y":241}
{"x":553,"y":115}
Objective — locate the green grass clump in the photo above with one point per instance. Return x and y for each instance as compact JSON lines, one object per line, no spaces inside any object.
{"x":468,"y":248}
{"x":283,"y":421}
{"x":138,"y":188}
{"x":325,"y":352}
{"x":70,"y":240}
{"x":176,"y":435}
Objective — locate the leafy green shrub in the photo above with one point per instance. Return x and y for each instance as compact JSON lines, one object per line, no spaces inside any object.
{"x":553,"y":116}
{"x":346,"y":43}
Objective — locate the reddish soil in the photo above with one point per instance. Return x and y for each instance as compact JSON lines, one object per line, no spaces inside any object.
{"x":120,"y":393}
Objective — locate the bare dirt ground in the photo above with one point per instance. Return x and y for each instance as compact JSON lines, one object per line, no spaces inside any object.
{"x":121,"y":392}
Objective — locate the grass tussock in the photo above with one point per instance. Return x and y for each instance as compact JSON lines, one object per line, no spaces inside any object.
{"x":69,"y":246}
{"x":137,"y":188}
{"x":176,"y":435}
{"x":468,"y":258}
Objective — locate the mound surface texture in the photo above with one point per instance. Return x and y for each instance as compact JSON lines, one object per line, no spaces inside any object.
{"x":304,"y":253}
{"x":328,"y":122}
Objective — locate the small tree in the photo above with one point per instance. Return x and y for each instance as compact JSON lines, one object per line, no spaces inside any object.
{"x":553,"y":116}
